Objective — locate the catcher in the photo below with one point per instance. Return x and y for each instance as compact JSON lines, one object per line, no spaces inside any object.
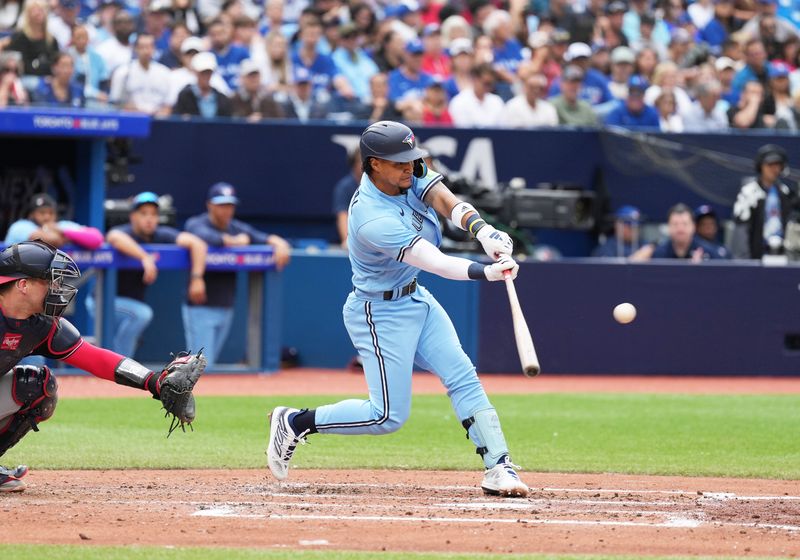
{"x":34,"y":291}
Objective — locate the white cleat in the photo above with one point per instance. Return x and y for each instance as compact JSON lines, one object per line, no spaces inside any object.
{"x":282,"y":441}
{"x":503,"y":480}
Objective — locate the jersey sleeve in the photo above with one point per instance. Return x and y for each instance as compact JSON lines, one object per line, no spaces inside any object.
{"x":388,"y":236}
{"x":165,"y":234}
{"x":19,"y":231}
{"x":422,"y":185}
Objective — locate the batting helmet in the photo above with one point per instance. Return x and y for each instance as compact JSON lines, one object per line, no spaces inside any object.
{"x":770,"y":153}
{"x":390,"y":140}
{"x":37,"y":259}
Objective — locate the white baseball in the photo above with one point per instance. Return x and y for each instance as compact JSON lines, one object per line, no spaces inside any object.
{"x":624,"y":313}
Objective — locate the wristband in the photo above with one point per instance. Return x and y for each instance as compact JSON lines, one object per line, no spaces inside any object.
{"x":476,"y":271}
{"x":474,"y":224}
{"x":459,"y":211}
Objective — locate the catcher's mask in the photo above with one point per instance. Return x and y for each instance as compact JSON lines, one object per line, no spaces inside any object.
{"x":37,"y":259}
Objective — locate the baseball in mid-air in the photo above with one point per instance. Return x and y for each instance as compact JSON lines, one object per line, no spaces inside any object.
{"x":624,"y":313}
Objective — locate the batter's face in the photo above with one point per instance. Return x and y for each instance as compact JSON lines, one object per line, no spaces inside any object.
{"x":394,"y":176}
{"x":144,"y":220}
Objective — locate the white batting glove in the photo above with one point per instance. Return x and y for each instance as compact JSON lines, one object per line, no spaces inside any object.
{"x":495,"y":243}
{"x":494,"y":271}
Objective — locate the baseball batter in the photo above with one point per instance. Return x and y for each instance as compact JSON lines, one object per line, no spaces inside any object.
{"x":34,"y":290}
{"x":394,"y":323}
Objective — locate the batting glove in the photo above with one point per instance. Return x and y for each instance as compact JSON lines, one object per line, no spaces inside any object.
{"x":495,"y":243}
{"x":494,"y":271}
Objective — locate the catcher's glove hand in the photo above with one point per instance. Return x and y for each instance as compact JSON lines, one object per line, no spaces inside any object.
{"x":175,"y":385}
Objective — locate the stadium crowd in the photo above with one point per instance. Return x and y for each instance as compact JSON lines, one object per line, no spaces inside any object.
{"x":706,"y":65}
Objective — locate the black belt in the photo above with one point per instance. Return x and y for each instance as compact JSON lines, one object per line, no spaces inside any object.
{"x":409,"y":288}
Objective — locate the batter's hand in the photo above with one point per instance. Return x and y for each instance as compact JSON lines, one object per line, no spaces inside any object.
{"x":495,"y":243}
{"x":494,"y":272}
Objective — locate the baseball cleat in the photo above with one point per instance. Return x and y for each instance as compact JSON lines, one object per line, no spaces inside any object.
{"x":503,"y":480}
{"x":282,"y":441}
{"x":10,"y":479}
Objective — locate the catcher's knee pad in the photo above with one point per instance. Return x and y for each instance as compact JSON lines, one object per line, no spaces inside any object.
{"x":483,"y":428}
{"x":35,"y":389}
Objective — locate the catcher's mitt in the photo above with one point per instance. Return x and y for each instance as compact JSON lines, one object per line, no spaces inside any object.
{"x":175,"y":385}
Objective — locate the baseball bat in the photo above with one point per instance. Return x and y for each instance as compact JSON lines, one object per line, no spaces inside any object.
{"x":527,"y":352}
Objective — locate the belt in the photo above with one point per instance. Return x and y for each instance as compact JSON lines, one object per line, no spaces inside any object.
{"x":409,"y":288}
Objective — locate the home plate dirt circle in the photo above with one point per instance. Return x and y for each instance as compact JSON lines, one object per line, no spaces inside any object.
{"x":407,"y":511}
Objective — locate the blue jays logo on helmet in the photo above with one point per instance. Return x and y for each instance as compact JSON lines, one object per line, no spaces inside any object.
{"x":409,"y":139}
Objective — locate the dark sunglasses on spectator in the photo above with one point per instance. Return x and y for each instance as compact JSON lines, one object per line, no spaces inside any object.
{"x":10,"y":69}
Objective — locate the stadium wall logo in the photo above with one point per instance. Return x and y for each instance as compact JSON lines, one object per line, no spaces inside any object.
{"x":477,"y":163}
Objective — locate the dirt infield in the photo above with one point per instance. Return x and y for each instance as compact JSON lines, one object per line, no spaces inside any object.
{"x":412,"y":510}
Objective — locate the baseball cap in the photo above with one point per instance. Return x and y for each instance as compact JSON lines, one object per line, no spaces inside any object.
{"x":222,"y":193}
{"x":301,"y":75}
{"x":159,"y":6}
{"x":415,"y":47}
{"x":577,"y":50}
{"x":622,"y":55}
{"x":778,"y":70}
{"x":616,"y":7}
{"x":628,"y":214}
{"x":143,"y":198}
{"x":462,"y":45}
{"x":348,"y":30}
{"x":647,"y":18}
{"x":41,"y":200}
{"x":572,"y":73}
{"x":69,"y":4}
{"x":192,"y":44}
{"x":248,"y":66}
{"x":559,"y":36}
{"x":431,"y":29}
{"x":704,"y":210}
{"x":680,"y":35}
{"x":723,"y":63}
{"x":637,"y":82}
{"x":204,"y":62}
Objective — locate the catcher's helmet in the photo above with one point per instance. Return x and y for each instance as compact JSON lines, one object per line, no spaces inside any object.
{"x":37,"y":259}
{"x":770,"y":153}
{"x":390,"y":140}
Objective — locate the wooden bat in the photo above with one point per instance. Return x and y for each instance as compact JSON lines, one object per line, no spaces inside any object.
{"x":527,"y":353}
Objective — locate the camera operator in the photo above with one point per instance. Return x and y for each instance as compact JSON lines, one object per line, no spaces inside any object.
{"x":763,"y":206}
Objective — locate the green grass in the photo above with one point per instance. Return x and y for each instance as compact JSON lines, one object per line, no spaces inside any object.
{"x":740,"y":436}
{"x":37,"y":552}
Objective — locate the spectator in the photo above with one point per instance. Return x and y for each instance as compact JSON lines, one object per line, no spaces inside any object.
{"x":277,"y":75}
{"x":506,"y":51}
{"x":207,"y":322}
{"x":101,"y":22}
{"x":461,"y":67}
{"x":183,"y":76}
{"x":681,"y":243}
{"x":719,"y":28}
{"x":228,"y":55}
{"x":625,"y":240}
{"x":407,"y":84}
{"x":353,"y":62}
{"x":201,"y":98}
{"x":753,"y":110}
{"x":762,"y":207}
{"x":701,"y":12}
{"x":680,"y":45}
{"x":571,"y":109}
{"x":33,"y":40}
{"x":364,"y":17}
{"x":646,"y":62}
{"x":342,"y":193}
{"x":379,"y":108}
{"x":609,"y":28}
{"x":435,"y":61}
{"x":669,"y":120}
{"x":61,"y":89}
{"x":274,"y":22}
{"x":132,"y":314}
{"x":634,"y":112}
{"x":390,"y":53}
{"x":528,"y":109}
{"x":142,"y":84}
{"x":326,"y":78}
{"x":157,"y":20}
{"x":245,"y":34}
{"x":622,"y":59}
{"x":301,"y":103}
{"x":253,"y":100}
{"x":652,"y":34}
{"x":186,"y":13}
{"x":434,"y":106}
{"x":478,"y":106}
{"x":601,"y":60}
{"x":117,"y":50}
{"x":594,"y":86}
{"x":784,"y":29}
{"x":90,"y":69}
{"x":171,"y":57}
{"x":708,"y":230}
{"x":484,"y":51}
{"x":455,"y":27}
{"x":667,"y":76}
{"x":726,"y":70}
{"x":549,"y":57}
{"x":42,"y":223}
{"x":62,"y":20}
{"x":707,"y":114}
{"x":780,"y":90}
{"x":756,"y":66}
{"x":12,"y":90}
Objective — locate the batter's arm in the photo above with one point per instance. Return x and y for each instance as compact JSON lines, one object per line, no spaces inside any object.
{"x":443,"y":201}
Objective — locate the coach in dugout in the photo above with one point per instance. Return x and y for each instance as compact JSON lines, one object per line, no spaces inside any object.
{"x":42,"y":223}
{"x":208,"y":322}
{"x":132,"y":314}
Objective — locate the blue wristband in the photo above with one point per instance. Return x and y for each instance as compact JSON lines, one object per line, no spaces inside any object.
{"x":476,"y":271}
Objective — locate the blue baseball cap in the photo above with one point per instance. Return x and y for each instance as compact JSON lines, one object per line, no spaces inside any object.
{"x":704,"y":210}
{"x":628,"y":214}
{"x":222,"y":193}
{"x":638,"y":82}
{"x":301,"y":75}
{"x":778,"y":70}
{"x":143,"y":198}
{"x":415,"y":47}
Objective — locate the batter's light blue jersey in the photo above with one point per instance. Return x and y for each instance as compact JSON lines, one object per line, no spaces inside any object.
{"x":381,"y":228}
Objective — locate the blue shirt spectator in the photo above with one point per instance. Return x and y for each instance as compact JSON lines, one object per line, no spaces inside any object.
{"x":697,"y":250}
{"x":626,"y":234}
{"x":61,"y":89}
{"x":757,"y":66}
{"x":594,"y":88}
{"x":409,"y":81}
{"x":354,"y":63}
{"x":633,"y":112}
{"x":323,"y":70}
